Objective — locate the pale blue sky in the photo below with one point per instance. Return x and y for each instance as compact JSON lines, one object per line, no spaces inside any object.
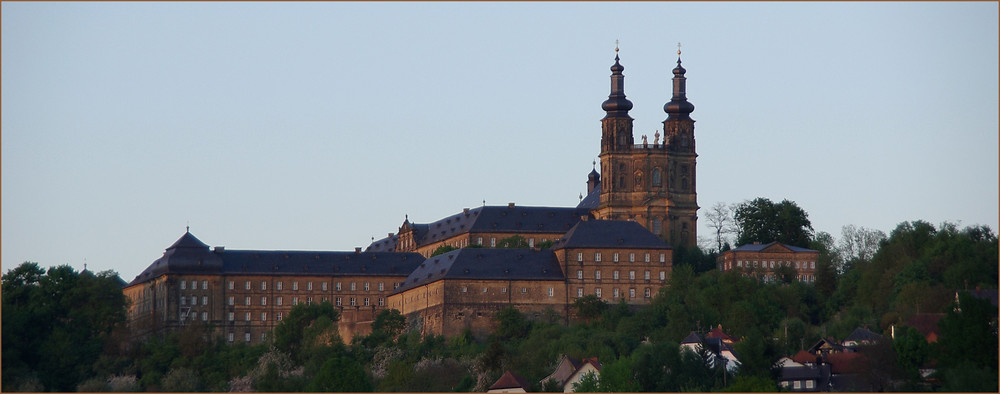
{"x":317,"y":126}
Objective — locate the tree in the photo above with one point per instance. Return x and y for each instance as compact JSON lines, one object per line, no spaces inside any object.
{"x":290,"y":335}
{"x":589,"y":307}
{"x":761,"y":220}
{"x":442,"y":250}
{"x":720,"y":219}
{"x":858,"y":244}
{"x":390,"y":322}
{"x":340,"y":374}
{"x":968,"y":341}
{"x":510,"y":324}
{"x":588,"y":384}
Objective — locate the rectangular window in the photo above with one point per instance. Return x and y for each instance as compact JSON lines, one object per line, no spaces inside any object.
{"x":646,"y":259}
{"x":279,"y":316}
{"x":597,"y":257}
{"x":295,"y":286}
{"x":279,"y":301}
{"x":614,"y":275}
{"x":263,"y":316}
{"x":325,"y":286}
{"x":231,"y":300}
{"x":263,"y":301}
{"x":248,"y":316}
{"x":204,"y":300}
{"x":183,"y":285}
{"x":615,"y":257}
{"x":230,"y":337}
{"x":465,"y":289}
{"x":263,"y":285}
{"x":366,"y":302}
{"x":739,"y":263}
{"x":597,"y":292}
{"x":797,"y":385}
{"x":247,"y":286}
{"x":354,"y":301}
{"x":810,"y":384}
{"x":551,"y":292}
{"x":484,"y":290}
{"x":381,"y":286}
{"x":616,"y":294}
{"x":184,"y":300}
{"x":647,"y":293}
{"x":663,"y":258}
{"x":646,"y":275}
{"x":309,"y":286}
{"x":263,"y":336}
{"x":204,"y":316}
{"x":366,"y":286}
{"x":631,"y":293}
{"x":278,"y":286}
{"x":204,"y":285}
{"x":493,"y":242}
{"x":597,"y":275}
{"x":231,"y":285}
{"x":246,"y":301}
{"x":503,"y":290}
{"x":381,"y":301}
{"x":663,"y":275}
{"x":194,"y":285}
{"x":524,"y":290}
{"x":579,"y":274}
{"x":812,"y":265}
{"x":631,"y":257}
{"x":579,"y":256}
{"x":194,"y":300}
{"x":531,"y":242}
{"x":579,"y":292}
{"x":246,"y":337}
{"x":309,"y":300}
{"x":295,"y":301}
{"x":336,"y":286}
{"x":479,"y":241}
{"x":232,"y":316}
{"x":354,"y":286}
{"x":631,"y":275}
{"x":339,"y":301}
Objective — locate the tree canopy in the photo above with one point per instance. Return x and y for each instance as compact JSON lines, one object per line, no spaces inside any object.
{"x":761,"y":220}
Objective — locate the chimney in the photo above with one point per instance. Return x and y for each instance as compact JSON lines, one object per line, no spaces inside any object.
{"x":510,"y":205}
{"x":219,"y":249}
{"x":357,"y":250}
{"x":465,"y":211}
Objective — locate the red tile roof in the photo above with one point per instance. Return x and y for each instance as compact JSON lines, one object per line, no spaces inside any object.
{"x":510,"y":380}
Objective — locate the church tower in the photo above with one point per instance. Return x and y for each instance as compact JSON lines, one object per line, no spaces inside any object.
{"x":649,"y":183}
{"x":678,"y":135}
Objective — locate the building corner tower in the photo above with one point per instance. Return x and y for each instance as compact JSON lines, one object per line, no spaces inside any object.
{"x":678,"y":135}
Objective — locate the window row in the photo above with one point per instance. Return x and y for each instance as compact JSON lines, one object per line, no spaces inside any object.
{"x":615,"y":275}
{"x":551,"y":291}
{"x":248,"y":316}
{"x":772,"y":264}
{"x":616,"y":293}
{"x":246,"y":337}
{"x":493,"y":242}
{"x":615,"y":257}
{"x":192,"y":315}
{"x":324,"y":286}
{"x":353,"y":301}
{"x":194,"y":285}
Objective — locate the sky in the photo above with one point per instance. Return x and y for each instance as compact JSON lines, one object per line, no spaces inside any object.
{"x":318,"y":126}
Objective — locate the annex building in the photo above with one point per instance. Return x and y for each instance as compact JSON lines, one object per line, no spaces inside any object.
{"x":615,"y":244}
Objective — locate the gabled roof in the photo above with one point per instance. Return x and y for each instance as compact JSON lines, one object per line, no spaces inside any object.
{"x":564,"y":369}
{"x":926,"y":323}
{"x":692,"y":338}
{"x":718,"y":333}
{"x":600,"y":234}
{"x":510,"y":380}
{"x":846,"y":362}
{"x":990,"y":295}
{"x":485,"y":263}
{"x":771,"y":247}
{"x":826,"y":343}
{"x":804,"y":357}
{"x":862,"y":335}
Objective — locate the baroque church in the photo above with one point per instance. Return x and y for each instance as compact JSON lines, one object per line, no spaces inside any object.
{"x":616,"y":245}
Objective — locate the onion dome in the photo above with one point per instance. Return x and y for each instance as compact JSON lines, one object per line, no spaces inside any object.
{"x":617,"y":105}
{"x":679,"y":107}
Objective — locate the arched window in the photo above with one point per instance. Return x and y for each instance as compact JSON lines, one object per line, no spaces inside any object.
{"x":657,"y":226}
{"x":657,"y":181}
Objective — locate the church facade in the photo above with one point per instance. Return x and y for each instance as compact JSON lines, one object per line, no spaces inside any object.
{"x":615,"y":244}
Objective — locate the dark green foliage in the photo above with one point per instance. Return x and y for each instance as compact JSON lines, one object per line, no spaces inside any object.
{"x":589,"y":307}
{"x":45,"y":314}
{"x":390,"y":322}
{"x":968,"y":343}
{"x":291,"y":335}
{"x":443,"y":249}
{"x":511,"y":324}
{"x":761,"y":220}
{"x":340,"y":374}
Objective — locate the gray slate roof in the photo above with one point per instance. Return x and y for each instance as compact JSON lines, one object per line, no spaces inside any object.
{"x":497,"y":219}
{"x":760,"y":247}
{"x":610,"y":234}
{"x":486,"y":264}
{"x":191,"y":256}
{"x":592,"y":200}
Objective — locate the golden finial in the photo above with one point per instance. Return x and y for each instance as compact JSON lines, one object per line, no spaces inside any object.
{"x":678,"y":49}
{"x":616,"y":46}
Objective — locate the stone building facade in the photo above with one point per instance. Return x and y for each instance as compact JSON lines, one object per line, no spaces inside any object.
{"x":762,"y":261}
{"x":615,"y":244}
